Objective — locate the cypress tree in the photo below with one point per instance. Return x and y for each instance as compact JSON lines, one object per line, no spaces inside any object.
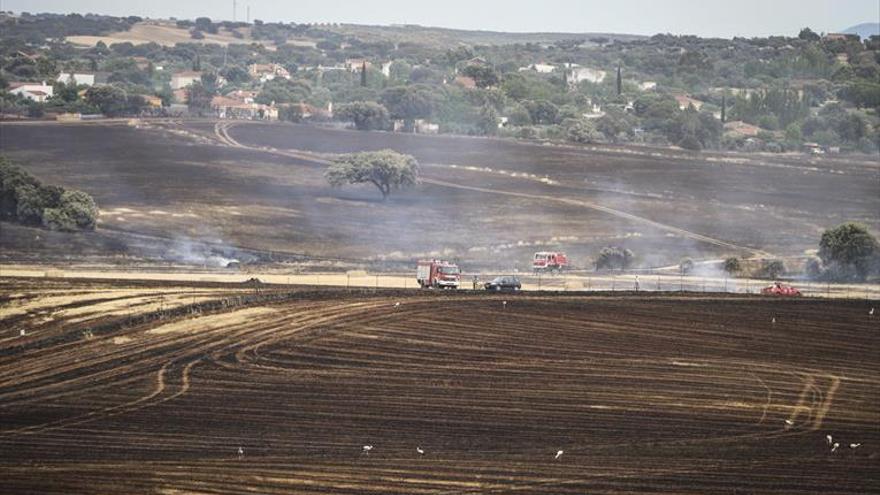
{"x":619,"y":82}
{"x":723,"y":108}
{"x":364,"y":74}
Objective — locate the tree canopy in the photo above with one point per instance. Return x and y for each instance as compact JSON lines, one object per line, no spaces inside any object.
{"x":385,"y":169}
{"x":848,"y":251}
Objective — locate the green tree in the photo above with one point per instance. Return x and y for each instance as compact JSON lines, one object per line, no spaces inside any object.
{"x":771,"y":269}
{"x":807,"y":34}
{"x":848,"y":250}
{"x":483,"y":76}
{"x":198,"y":98}
{"x":409,"y":103}
{"x":366,"y":115}
{"x":290,"y":113}
{"x":385,"y":169}
{"x":113,"y":101}
{"x":542,"y":112}
{"x":582,"y":131}
{"x":487,"y":122}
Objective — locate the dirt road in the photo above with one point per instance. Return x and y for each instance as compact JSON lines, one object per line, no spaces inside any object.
{"x":278,"y":391}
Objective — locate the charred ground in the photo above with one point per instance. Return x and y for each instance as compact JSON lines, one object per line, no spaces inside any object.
{"x":483,"y":202}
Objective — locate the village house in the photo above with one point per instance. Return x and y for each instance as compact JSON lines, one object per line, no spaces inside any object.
{"x":576,"y":74}
{"x":77,"y":78}
{"x":356,"y":64}
{"x":539,"y":67}
{"x":38,"y":92}
{"x":386,"y":69}
{"x":648,"y":85}
{"x":684,"y":101}
{"x":180,"y":80}
{"x":740,"y":129}
{"x":836,"y":37}
{"x":226,"y":107}
{"x":268,"y":72}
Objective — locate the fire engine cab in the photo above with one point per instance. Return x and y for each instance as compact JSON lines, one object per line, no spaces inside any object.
{"x":438,"y":274}
{"x":545,"y":261}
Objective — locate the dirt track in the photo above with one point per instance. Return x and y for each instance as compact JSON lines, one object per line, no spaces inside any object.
{"x":651,"y":394}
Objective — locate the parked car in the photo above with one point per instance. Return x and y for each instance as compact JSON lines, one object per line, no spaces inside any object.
{"x":779,"y":289}
{"x":503,"y":283}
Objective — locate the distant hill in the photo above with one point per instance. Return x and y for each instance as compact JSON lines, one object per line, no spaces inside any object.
{"x":865,"y":30}
{"x":451,"y":37}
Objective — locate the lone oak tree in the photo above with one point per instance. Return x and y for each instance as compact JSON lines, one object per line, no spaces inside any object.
{"x":385,"y":169}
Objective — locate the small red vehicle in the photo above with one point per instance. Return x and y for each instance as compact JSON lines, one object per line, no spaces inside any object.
{"x":545,"y":261}
{"x":780,"y":289}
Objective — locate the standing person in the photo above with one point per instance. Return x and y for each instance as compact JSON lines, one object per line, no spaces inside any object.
{"x":476,"y":282}
{"x":637,"y":283}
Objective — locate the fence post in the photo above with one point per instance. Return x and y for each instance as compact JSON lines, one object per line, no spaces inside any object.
{"x":347,"y":280}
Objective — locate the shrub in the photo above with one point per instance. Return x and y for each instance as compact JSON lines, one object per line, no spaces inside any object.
{"x":80,"y":208}
{"x":612,"y":257}
{"x":732,"y":265}
{"x":771,"y":269}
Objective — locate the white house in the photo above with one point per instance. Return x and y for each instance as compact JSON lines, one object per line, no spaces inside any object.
{"x":648,"y":85}
{"x":268,"y":72}
{"x":38,"y":92}
{"x":180,"y":80}
{"x":386,"y":68}
{"x":539,"y":67}
{"x":78,"y":78}
{"x":577,"y":74}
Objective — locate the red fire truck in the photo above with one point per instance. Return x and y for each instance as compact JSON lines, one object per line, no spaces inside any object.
{"x":545,"y":261}
{"x":438,"y":274}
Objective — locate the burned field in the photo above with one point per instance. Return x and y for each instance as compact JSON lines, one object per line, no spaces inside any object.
{"x":153,"y":388}
{"x":488,"y":203}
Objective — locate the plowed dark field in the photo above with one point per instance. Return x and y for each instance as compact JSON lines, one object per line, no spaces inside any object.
{"x":153,"y":388}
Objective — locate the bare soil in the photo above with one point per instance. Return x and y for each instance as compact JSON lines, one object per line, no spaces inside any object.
{"x":648,"y":394}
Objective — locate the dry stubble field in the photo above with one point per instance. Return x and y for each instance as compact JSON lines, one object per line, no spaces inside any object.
{"x":149,"y":387}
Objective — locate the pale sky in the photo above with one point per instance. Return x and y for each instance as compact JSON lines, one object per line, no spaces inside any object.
{"x":719,"y":18}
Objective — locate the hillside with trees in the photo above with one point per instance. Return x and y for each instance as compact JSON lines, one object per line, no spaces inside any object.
{"x":804,"y":91}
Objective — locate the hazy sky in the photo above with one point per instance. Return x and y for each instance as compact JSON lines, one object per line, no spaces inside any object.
{"x":724,"y":18}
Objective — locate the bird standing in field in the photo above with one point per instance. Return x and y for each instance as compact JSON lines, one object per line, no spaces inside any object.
{"x":397,"y":305}
{"x":829,"y":439}
{"x":871,"y":312}
{"x":789,"y":422}
{"x":420,"y":451}
{"x":559,"y":454}
{"x":22,"y":333}
{"x":367,"y":449}
{"x":240,"y":453}
{"x":773,"y":320}
{"x":835,"y":447}
{"x":504,"y":304}
{"x":855,"y":445}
